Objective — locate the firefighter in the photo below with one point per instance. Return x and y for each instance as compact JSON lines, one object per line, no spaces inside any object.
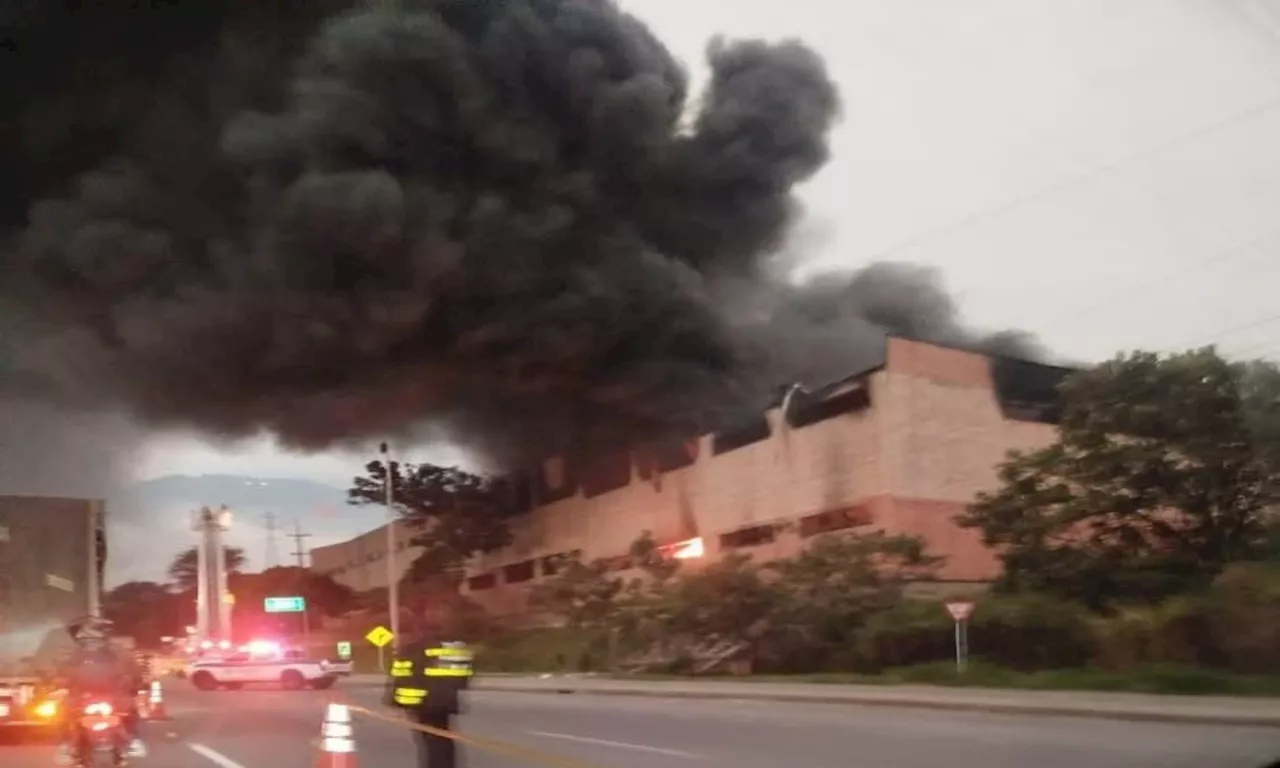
{"x":425,"y":680}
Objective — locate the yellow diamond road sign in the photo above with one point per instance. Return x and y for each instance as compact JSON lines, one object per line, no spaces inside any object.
{"x":379,"y":636}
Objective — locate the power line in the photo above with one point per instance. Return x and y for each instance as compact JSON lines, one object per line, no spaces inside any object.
{"x":300,"y":553}
{"x":1228,"y":331}
{"x":1214,"y":257}
{"x":1272,"y":343}
{"x":1056,"y":186}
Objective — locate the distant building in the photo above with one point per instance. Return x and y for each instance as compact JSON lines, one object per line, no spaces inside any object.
{"x":903,"y":447}
{"x":361,"y":563}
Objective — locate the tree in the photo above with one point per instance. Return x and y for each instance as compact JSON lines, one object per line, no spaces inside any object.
{"x":1260,"y":399}
{"x":324,"y":596}
{"x":185,"y":568}
{"x":582,"y":595}
{"x":455,"y":515}
{"x":1159,"y":479}
{"x":828,"y":592}
{"x":731,"y":599}
{"x":143,"y":610}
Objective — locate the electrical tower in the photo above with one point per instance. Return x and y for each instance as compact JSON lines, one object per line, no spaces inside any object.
{"x":273,"y":552}
{"x":300,"y":552}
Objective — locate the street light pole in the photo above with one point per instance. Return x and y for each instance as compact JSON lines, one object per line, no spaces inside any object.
{"x":393,"y":587}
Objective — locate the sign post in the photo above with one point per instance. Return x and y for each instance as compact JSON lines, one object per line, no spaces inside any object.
{"x":380,"y":636}
{"x":344,"y":650}
{"x":960,"y":611}
{"x":291,"y":605}
{"x":284,"y":605}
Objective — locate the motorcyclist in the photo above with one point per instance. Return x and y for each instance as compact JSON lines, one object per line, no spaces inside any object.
{"x":96,"y":669}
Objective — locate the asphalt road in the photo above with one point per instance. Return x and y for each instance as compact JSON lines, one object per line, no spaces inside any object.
{"x":276,"y":729}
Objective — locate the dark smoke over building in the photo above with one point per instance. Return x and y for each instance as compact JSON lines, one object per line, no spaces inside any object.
{"x":510,"y":219}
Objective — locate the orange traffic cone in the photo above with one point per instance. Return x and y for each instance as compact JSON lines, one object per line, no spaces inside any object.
{"x":337,"y":738}
{"x":155,"y":703}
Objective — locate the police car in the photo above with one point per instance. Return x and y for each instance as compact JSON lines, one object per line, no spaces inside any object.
{"x":261,"y":663}
{"x":26,"y":703}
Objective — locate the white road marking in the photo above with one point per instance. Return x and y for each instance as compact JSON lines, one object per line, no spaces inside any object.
{"x":213,"y":756}
{"x":607,"y":743}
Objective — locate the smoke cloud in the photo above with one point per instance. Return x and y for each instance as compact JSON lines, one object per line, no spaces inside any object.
{"x":510,"y":220}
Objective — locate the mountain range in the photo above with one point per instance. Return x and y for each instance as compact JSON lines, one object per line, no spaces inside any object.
{"x":149,"y":523}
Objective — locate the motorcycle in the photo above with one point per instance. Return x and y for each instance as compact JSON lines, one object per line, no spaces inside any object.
{"x":100,"y":740}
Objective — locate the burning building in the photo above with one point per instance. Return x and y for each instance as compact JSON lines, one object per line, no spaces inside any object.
{"x":902,"y":447}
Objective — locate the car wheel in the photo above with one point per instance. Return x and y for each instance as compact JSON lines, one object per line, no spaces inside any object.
{"x":292,"y":680}
{"x":204,"y":681}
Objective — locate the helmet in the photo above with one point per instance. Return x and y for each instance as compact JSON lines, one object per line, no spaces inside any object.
{"x":91,"y":632}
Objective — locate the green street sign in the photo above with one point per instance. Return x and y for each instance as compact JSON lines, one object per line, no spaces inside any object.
{"x":344,"y":650}
{"x":284,"y":605}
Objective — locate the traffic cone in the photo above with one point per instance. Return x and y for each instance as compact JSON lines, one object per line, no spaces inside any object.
{"x":155,"y":703}
{"x":337,"y":738}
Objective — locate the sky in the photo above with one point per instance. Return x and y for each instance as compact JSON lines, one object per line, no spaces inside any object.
{"x":1102,"y":173}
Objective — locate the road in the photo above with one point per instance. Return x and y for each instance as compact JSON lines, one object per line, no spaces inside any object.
{"x":276,"y":729}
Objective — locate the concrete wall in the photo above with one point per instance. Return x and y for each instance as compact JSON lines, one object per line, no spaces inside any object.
{"x":361,"y":563}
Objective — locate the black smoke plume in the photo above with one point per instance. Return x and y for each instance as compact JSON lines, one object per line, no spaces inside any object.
{"x":507,"y":217}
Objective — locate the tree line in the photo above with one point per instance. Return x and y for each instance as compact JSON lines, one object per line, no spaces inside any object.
{"x":149,"y":611}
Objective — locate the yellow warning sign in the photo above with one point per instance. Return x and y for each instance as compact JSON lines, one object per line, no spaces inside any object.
{"x":379,"y":636}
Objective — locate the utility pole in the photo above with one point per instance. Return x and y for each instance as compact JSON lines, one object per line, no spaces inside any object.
{"x":300,"y":551}
{"x":300,"y":557}
{"x":393,"y":587}
{"x":272,"y":558}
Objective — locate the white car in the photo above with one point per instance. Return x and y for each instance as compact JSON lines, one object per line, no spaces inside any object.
{"x":290,"y":670}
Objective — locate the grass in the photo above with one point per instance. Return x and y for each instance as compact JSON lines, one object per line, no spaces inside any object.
{"x":566,"y":651}
{"x":1160,"y":679}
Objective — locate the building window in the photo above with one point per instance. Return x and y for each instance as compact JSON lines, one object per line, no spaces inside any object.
{"x":517,"y":572}
{"x":755,"y":536}
{"x":555,"y":481}
{"x":834,"y":520}
{"x":553,"y":564}
{"x":597,"y":475}
{"x":518,"y":492}
{"x":482,"y":582}
{"x":815,"y":408}
{"x":1028,"y":391}
{"x":741,"y":435}
{"x":666,"y":457}
{"x":617,"y":563}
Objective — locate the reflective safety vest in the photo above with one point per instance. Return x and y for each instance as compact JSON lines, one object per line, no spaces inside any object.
{"x":431,"y":677}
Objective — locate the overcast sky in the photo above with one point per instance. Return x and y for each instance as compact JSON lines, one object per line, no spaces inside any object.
{"x":1103,"y":173}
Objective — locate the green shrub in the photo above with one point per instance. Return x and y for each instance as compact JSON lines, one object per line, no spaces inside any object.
{"x":1175,"y":632}
{"x":1015,"y":631}
{"x":1243,"y":613}
{"x":554,"y":649}
{"x":1026,"y":632}
{"x":910,"y":633}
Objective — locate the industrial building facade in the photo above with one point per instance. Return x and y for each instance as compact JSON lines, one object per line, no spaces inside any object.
{"x":902,"y":448}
